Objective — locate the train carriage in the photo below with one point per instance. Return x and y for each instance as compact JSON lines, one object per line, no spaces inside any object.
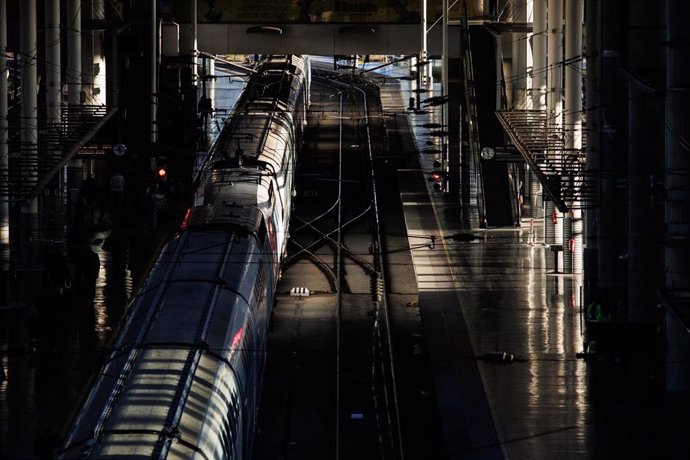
{"x":184,"y":374}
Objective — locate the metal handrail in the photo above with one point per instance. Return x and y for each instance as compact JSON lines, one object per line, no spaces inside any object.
{"x":537,"y":142}
{"x":71,"y":152}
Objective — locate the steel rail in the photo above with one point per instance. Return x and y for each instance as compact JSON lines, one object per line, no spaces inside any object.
{"x":338,"y":289}
{"x":383,"y":302}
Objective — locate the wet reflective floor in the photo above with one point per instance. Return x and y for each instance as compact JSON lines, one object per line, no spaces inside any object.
{"x":42,"y":385}
{"x":505,"y":335}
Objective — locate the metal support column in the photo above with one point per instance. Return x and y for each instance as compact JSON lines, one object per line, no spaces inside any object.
{"x":112,"y":72}
{"x":522,"y":82}
{"x":96,"y":68}
{"x":644,"y":59}
{"x":592,"y":152}
{"x":154,"y":72}
{"x":645,"y":35}
{"x":444,"y":92}
{"x":572,"y":122}
{"x":677,"y":189}
{"x":522,"y":58}
{"x":612,"y":219}
{"x":193,"y":50}
{"x":4,"y":128}
{"x":73,"y":74}
{"x":423,"y":69}
{"x":73,"y":70}
{"x":454,"y":137}
{"x":29,"y":131}
{"x":87,"y":52}
{"x":52,"y":206}
{"x":554,"y":110}
{"x":538,"y":99}
{"x":539,"y":55}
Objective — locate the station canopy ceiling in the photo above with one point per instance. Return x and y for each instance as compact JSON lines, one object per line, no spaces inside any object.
{"x":306,"y":11}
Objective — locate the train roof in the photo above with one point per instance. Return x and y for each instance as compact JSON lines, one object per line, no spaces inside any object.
{"x":177,"y":376}
{"x":239,"y":218}
{"x":261,"y":123}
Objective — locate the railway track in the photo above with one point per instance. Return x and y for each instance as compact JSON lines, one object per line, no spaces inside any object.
{"x":330,"y":374}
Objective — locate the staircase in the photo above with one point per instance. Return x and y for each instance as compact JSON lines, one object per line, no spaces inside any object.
{"x":79,"y":125}
{"x":33,"y":165}
{"x":561,"y":171}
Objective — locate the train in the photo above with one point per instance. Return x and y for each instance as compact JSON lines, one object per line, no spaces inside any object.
{"x":183,"y":375}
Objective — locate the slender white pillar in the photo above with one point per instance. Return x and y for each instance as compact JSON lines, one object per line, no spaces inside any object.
{"x":539,"y":55}
{"x":29,"y":104}
{"x":4,"y":148}
{"x":53,"y":65}
{"x":538,"y":101}
{"x":193,"y":50}
{"x":522,"y":71}
{"x":29,"y":221}
{"x":526,"y":50}
{"x":554,"y":61}
{"x":572,"y":117}
{"x":87,"y":52}
{"x":522,"y":57}
{"x":592,"y":82}
{"x":444,"y":85}
{"x":73,"y":70}
{"x":154,"y":72}
{"x":73,"y":73}
{"x":554,"y":106}
{"x":423,"y":70}
{"x":51,"y":201}
{"x":444,"y":50}
{"x":98,"y":90}
{"x":677,"y":251}
{"x":572,"y":121}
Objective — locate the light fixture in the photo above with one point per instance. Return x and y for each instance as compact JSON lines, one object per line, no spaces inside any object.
{"x":488,"y":153}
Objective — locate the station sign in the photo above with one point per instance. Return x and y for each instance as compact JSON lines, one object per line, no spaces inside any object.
{"x":93,"y":151}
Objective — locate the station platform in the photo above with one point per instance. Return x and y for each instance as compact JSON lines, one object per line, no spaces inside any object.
{"x":505,"y":334}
